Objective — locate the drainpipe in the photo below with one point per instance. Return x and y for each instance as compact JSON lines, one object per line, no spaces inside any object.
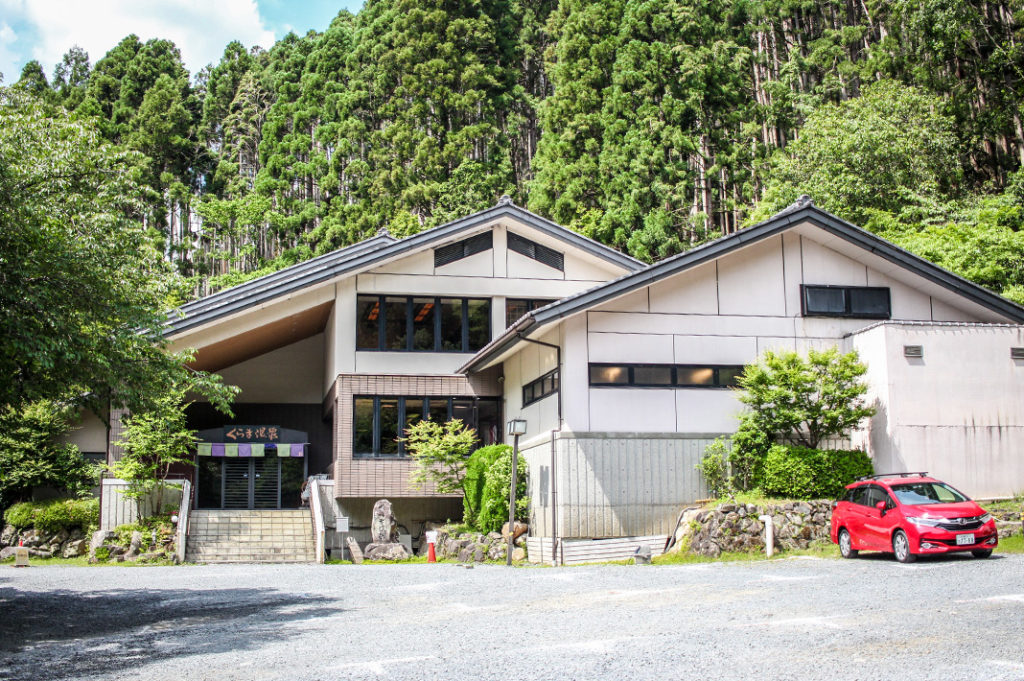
{"x":554,"y":486}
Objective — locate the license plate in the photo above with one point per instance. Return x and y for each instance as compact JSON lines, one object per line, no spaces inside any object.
{"x":964,"y":539}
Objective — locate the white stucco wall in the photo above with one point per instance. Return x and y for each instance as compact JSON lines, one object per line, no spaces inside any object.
{"x":727,"y":311}
{"x":89,"y":433}
{"x":957,"y":413}
{"x":290,"y":375}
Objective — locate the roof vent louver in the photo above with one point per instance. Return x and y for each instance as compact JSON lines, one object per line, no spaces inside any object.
{"x":539,"y":252}
{"x":913,"y":351}
{"x":463,"y":249}
{"x":1016,"y":353}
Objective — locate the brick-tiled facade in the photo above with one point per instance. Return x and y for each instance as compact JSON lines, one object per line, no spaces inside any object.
{"x":390,"y":477}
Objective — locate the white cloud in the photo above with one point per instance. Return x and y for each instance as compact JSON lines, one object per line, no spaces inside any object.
{"x":200,"y":28}
{"x":8,"y":56}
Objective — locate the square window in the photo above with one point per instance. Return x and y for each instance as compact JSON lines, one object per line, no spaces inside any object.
{"x":368,"y":323}
{"x":870,"y":302}
{"x":695,"y":376}
{"x":825,"y":301}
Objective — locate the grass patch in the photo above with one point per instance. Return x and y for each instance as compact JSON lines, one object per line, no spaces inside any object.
{"x":83,"y":561}
{"x":1014,"y":544}
{"x":821,"y":550}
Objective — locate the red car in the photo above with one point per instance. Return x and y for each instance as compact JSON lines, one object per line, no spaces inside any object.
{"x":910,"y":514}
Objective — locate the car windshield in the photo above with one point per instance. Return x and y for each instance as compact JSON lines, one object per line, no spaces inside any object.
{"x":918,"y":493}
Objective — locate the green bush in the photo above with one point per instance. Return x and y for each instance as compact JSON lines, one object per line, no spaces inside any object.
{"x":55,"y":514}
{"x":714,"y":468}
{"x":473,"y":483}
{"x":803,"y":473}
{"x":494,"y":500}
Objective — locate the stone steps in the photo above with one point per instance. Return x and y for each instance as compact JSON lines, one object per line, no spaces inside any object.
{"x":250,"y":537}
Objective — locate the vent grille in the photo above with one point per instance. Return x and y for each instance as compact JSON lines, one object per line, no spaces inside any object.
{"x":463,"y":249}
{"x":536,"y":251}
{"x":913,"y":351}
{"x":1016,"y":353}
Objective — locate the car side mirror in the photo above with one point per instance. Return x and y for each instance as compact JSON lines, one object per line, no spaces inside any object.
{"x":881,"y":507}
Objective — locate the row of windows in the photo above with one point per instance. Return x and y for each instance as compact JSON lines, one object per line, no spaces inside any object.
{"x":412,"y":323}
{"x":380,"y":422}
{"x":665,"y":375}
{"x":541,"y":387}
{"x":862,"y":302}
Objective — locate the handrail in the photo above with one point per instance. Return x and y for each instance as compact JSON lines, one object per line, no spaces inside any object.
{"x":183,"y":509}
{"x":319,"y":528}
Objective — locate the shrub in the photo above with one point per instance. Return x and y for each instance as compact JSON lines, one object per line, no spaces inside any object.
{"x":804,"y":473}
{"x":494,"y":500}
{"x":714,"y":468}
{"x":473,"y":484}
{"x":55,"y":514}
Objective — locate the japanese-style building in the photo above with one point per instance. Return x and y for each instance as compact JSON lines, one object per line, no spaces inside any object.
{"x":622,"y":370}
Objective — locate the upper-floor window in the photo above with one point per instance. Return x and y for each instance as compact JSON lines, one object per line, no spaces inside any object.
{"x":665,"y":375}
{"x":541,"y":387}
{"x":380,"y":422}
{"x":517,"y":307}
{"x":539,"y":252}
{"x":864,"y":302}
{"x":422,"y":324}
{"x":463,"y":249}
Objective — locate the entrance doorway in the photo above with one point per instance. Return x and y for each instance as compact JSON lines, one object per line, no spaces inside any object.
{"x":250,"y":483}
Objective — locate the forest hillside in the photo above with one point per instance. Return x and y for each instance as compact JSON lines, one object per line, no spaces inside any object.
{"x":650,"y":125}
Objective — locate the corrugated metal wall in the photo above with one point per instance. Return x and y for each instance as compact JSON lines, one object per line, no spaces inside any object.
{"x":614,"y":484}
{"x":117,"y":509}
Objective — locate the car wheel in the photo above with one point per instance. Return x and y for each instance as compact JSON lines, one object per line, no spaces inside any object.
{"x":901,"y":547}
{"x":846,"y":549}
{"x":982,"y":553}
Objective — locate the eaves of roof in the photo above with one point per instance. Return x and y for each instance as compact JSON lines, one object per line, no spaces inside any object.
{"x":803,"y":211}
{"x":366,"y":254}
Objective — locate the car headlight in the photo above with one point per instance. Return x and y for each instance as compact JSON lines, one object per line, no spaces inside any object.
{"x":985,"y":518}
{"x":924,"y":522}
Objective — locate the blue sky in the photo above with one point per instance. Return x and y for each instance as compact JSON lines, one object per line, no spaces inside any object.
{"x":46,"y":29}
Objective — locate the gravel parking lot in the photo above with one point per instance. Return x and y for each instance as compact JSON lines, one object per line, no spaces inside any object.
{"x":871,"y":618}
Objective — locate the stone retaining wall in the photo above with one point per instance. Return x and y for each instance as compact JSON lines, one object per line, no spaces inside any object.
{"x":62,"y":544}
{"x":736,"y":527}
{"x":474,"y":547}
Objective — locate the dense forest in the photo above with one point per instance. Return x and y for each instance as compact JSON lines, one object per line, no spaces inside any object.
{"x":650,"y":125}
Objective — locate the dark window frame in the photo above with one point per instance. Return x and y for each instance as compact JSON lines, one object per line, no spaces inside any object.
{"x":445,"y":255}
{"x":848,"y":312}
{"x":716,"y":369}
{"x":535,"y":395}
{"x":402,"y":425}
{"x":531,"y":305}
{"x":539,"y":252}
{"x":381,"y":321}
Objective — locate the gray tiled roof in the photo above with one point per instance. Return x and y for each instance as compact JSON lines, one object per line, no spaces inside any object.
{"x":803,"y":210}
{"x":368,"y":253}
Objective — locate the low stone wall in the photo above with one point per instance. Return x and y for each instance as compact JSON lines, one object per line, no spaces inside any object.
{"x":62,"y":544}
{"x":474,"y":547}
{"x":736,"y":527}
{"x":1009,"y":522}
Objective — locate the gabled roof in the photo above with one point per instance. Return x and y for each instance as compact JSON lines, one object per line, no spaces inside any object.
{"x":367,"y":254}
{"x":802,"y":211}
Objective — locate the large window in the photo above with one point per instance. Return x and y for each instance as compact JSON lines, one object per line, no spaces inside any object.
{"x":540,"y":388}
{"x":665,"y":375}
{"x":422,"y":324}
{"x":863,"y":302}
{"x":517,"y":307}
{"x":381,"y":421}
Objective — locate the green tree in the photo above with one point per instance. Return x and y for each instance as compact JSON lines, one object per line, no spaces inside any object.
{"x":805,"y":400}
{"x":82,"y":293}
{"x":890,"y":152}
{"x":71,"y":77}
{"x":494,"y":499}
{"x":153,"y":442}
{"x":32,"y":454}
{"x":440,"y":452}
{"x":33,"y":81}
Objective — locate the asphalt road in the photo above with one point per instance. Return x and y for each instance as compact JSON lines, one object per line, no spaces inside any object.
{"x":871,"y":618}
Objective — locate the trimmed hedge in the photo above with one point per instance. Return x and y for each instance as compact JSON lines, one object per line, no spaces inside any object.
{"x":801,"y":473}
{"x":55,"y":515}
{"x":494,"y":500}
{"x":473,"y":484}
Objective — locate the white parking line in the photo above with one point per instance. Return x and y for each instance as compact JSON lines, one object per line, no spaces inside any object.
{"x":377,"y":666}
